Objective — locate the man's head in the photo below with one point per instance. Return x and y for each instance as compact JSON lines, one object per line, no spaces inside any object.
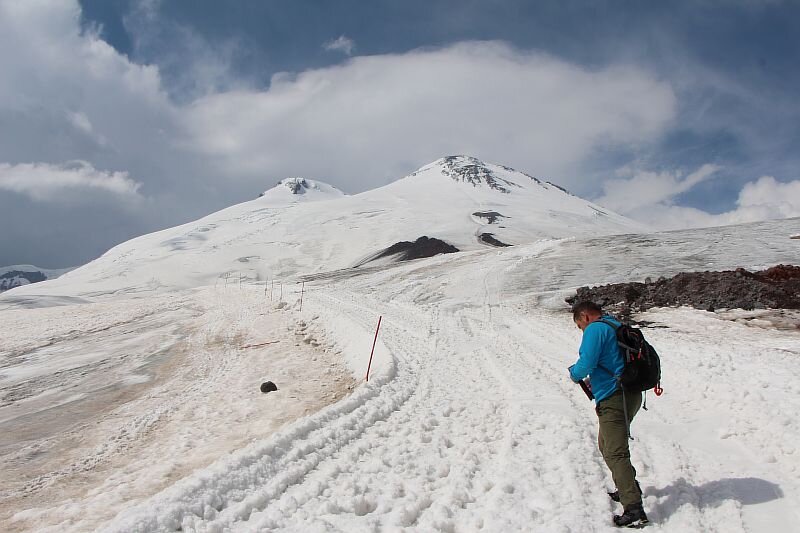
{"x":584,"y":313}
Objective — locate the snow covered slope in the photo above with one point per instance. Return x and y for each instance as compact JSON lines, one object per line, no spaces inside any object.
{"x":468,"y":423}
{"x":302,"y":226}
{"x":141,"y":411}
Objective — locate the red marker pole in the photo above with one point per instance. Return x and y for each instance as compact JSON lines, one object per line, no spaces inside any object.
{"x":373,"y":346}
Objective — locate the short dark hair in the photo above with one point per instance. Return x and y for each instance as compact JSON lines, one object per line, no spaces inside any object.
{"x":585,"y":307}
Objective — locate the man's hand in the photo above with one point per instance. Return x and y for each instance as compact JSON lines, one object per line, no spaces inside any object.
{"x":570,"y":375}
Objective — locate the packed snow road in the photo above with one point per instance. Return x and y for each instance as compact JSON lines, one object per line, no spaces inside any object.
{"x":469,"y":421}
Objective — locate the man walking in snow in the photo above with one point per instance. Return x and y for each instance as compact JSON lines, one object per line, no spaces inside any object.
{"x":600,"y":360}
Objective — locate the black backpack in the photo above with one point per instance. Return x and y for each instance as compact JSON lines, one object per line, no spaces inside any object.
{"x":642,"y":365}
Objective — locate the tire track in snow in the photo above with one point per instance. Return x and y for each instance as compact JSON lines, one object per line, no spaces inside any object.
{"x":236,"y":486}
{"x":540,"y":467}
{"x":356,"y":459}
{"x":389,"y":462}
{"x":478,"y":427}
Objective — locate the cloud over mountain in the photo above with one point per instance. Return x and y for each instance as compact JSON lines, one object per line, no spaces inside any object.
{"x":52,"y":183}
{"x":67,"y":95}
{"x":651,"y":197}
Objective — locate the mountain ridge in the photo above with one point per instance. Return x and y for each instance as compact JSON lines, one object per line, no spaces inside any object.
{"x":304,"y":226}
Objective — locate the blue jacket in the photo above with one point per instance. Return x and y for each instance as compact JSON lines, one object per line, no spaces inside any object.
{"x":599,"y":359}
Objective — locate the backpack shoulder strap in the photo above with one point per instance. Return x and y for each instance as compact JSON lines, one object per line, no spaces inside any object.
{"x":615,"y":328}
{"x":607,"y":323}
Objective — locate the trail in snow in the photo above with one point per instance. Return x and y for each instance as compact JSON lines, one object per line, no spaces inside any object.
{"x":474,"y":424}
{"x":469,"y":421}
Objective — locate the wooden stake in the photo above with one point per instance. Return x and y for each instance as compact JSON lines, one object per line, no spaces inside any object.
{"x":369,"y":365}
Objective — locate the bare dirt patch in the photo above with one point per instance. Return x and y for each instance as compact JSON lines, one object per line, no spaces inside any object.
{"x":203,"y":401}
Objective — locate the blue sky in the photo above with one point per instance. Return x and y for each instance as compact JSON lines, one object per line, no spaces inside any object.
{"x":119,"y":117}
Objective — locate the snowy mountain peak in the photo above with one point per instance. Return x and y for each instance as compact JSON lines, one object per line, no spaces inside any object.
{"x":294,"y":189}
{"x":302,"y":226}
{"x":298,"y":185}
{"x":473,"y":171}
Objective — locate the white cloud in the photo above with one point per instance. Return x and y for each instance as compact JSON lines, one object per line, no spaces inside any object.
{"x":649,"y":197}
{"x":54,"y":183}
{"x":82,"y":123}
{"x":68,"y":95}
{"x":341,"y":44}
{"x":65,"y":94}
{"x":642,"y":189}
{"x":375,"y":118}
{"x":767,"y":198}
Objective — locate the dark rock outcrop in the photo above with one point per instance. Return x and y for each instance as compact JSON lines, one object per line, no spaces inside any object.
{"x":268,"y":386}
{"x":406,"y":251}
{"x":490,"y":216}
{"x":475,"y":172}
{"x":775,"y":288}
{"x":490,"y":239}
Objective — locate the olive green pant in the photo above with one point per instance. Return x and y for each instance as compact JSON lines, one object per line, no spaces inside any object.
{"x":612,"y":439}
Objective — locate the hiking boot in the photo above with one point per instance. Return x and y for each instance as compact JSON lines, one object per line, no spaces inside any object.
{"x":615,"y":495}
{"x":633,"y":516}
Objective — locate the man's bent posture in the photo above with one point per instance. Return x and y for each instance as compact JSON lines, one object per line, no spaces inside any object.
{"x":600,"y":360}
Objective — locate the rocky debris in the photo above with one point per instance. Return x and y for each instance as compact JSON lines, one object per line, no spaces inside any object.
{"x":472,"y":170}
{"x":490,"y":216}
{"x":559,"y":187}
{"x":268,"y":386}
{"x":536,"y":180}
{"x":475,"y":172}
{"x":422,"y":247}
{"x":296,"y":185}
{"x":775,"y":288}
{"x":489,"y":238}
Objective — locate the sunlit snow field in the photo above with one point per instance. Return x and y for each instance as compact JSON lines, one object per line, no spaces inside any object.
{"x":130,"y":401}
{"x":141,"y":412}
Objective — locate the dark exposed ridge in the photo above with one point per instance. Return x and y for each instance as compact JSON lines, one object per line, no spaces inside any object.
{"x":490,"y":216}
{"x":475,"y":172}
{"x":419,"y":249}
{"x":296,"y":185}
{"x":489,"y":238}
{"x":559,"y":187}
{"x":775,"y":288}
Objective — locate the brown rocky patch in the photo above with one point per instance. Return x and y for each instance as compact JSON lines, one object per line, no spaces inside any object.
{"x":775,"y":288}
